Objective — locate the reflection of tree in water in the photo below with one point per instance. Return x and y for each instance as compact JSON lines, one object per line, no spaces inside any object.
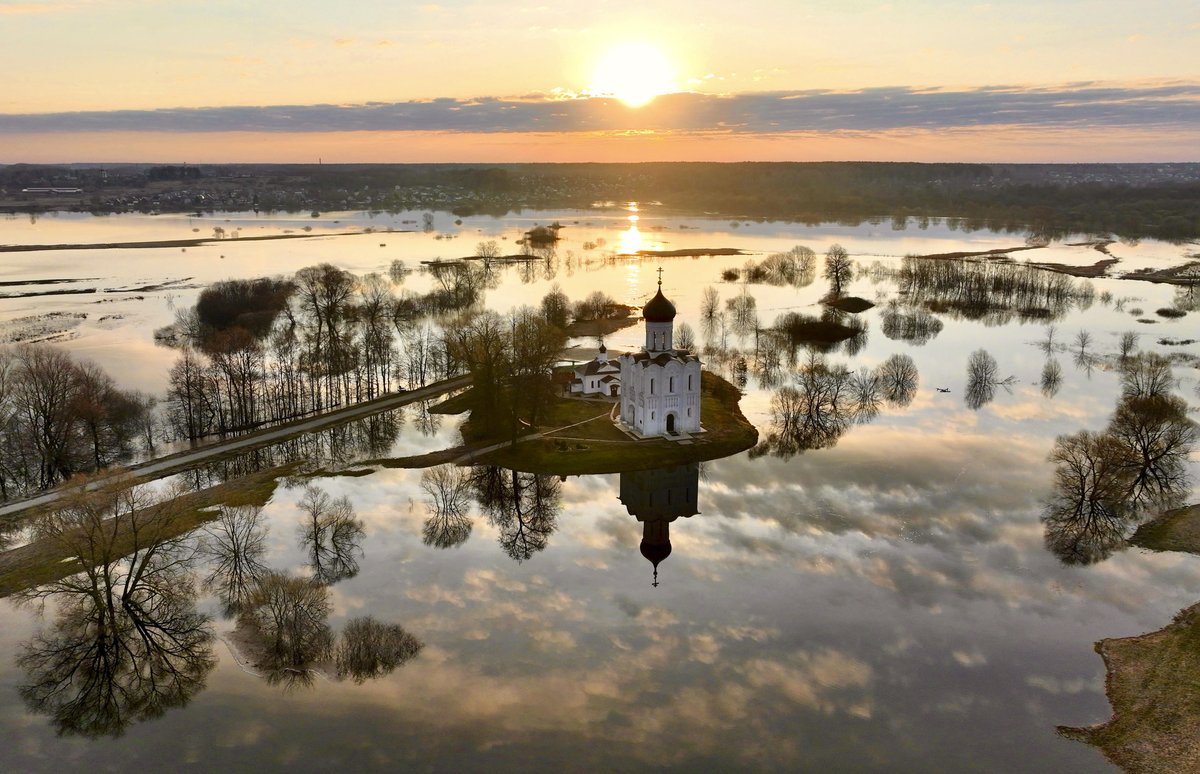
{"x":825,"y":400}
{"x":8,"y":535}
{"x":916,"y":326}
{"x":285,"y":623}
{"x":331,"y":535}
{"x":427,"y":422}
{"x":234,"y":545}
{"x":366,"y":438}
{"x":523,"y":506}
{"x":1105,"y":482}
{"x":128,"y":643}
{"x":1086,"y":517}
{"x":1156,"y":437}
{"x":369,"y":649}
{"x":995,"y":293}
{"x":899,"y":379}
{"x":983,"y":379}
{"x":449,"y":490}
{"x":1051,"y":378}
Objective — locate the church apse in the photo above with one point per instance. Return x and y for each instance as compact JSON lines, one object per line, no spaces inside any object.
{"x":656,"y":498}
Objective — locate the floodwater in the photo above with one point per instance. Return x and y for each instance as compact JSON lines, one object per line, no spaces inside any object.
{"x":885,"y":602}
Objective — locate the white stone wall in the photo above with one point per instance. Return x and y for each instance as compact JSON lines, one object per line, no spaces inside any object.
{"x":653,"y":393}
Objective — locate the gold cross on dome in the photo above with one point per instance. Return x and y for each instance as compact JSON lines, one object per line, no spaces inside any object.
{"x":660,"y":276}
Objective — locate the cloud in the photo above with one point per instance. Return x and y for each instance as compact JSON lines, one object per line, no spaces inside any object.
{"x":1080,"y":106}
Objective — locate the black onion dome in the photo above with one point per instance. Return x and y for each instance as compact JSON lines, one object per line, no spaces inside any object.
{"x":659,"y":309}
{"x":655,"y":552}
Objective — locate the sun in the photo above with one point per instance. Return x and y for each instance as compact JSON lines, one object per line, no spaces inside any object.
{"x":634,"y":73}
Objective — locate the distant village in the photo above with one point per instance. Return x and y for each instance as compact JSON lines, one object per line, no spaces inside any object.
{"x":1136,"y":199}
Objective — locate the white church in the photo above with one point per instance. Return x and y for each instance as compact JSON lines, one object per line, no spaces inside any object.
{"x":660,"y":385}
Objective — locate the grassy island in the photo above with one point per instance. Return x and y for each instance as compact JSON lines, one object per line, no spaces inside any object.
{"x":577,"y":436}
{"x":1153,"y":688}
{"x":1177,"y":530}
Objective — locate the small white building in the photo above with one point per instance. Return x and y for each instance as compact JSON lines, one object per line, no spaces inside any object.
{"x":597,"y":377}
{"x":660,"y":385}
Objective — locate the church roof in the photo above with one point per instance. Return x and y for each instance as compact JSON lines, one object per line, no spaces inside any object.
{"x":662,"y":358}
{"x":659,"y":309}
{"x":596,"y":367}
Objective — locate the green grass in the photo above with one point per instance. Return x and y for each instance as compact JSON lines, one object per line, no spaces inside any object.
{"x":44,"y":561}
{"x":1177,"y":530}
{"x":599,"y":447}
{"x":1153,"y":684}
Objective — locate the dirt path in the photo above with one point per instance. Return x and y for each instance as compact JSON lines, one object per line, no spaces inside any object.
{"x":174,"y":463}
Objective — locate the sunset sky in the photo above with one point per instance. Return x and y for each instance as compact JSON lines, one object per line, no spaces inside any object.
{"x":212,"y":80}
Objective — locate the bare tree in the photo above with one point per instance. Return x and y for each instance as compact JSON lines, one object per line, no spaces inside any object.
{"x":128,"y":643}
{"x":1087,"y":516}
{"x":1127,"y":344}
{"x":898,"y":378}
{"x":1157,"y":437}
{"x":838,"y":268}
{"x":288,"y":620}
{"x":369,"y":649}
{"x":234,"y":545}
{"x":1148,"y":375}
{"x":982,"y":371}
{"x":685,"y":337}
{"x":710,"y":304}
{"x":1051,"y":378}
{"x":488,"y":249}
{"x":556,"y":307}
{"x":331,"y":534}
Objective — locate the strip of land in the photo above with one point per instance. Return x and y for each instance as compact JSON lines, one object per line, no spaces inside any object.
{"x":175,"y":463}
{"x":179,"y":242}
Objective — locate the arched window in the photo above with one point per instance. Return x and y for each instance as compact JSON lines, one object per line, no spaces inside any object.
{"x":689,"y":382}
{"x":651,"y":386}
{"x":670,"y":385}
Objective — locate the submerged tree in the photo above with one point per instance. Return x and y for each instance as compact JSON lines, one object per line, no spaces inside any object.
{"x":1051,"y":378}
{"x":449,"y":491}
{"x":369,"y":649}
{"x":287,"y":620}
{"x":982,"y":379}
{"x":1087,"y":515}
{"x":522,"y":506}
{"x":898,"y":379}
{"x":128,"y":643}
{"x":1105,"y":482}
{"x":1156,"y":437}
{"x":234,"y":545}
{"x":331,"y":534}
{"x":838,"y":268}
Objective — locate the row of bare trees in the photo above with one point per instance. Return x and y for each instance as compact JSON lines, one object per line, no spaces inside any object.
{"x":336,"y":339}
{"x":510,"y":361}
{"x":60,"y":416}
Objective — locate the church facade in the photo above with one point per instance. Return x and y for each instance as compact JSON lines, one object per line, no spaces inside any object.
{"x":660,"y":385}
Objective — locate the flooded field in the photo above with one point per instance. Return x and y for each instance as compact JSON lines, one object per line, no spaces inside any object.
{"x":873,"y":587}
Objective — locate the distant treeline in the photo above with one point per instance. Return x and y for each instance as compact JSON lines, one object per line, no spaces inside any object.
{"x":1048,"y":200}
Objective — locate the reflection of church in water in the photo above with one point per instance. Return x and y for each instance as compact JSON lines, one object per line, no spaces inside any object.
{"x":657,"y":498}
